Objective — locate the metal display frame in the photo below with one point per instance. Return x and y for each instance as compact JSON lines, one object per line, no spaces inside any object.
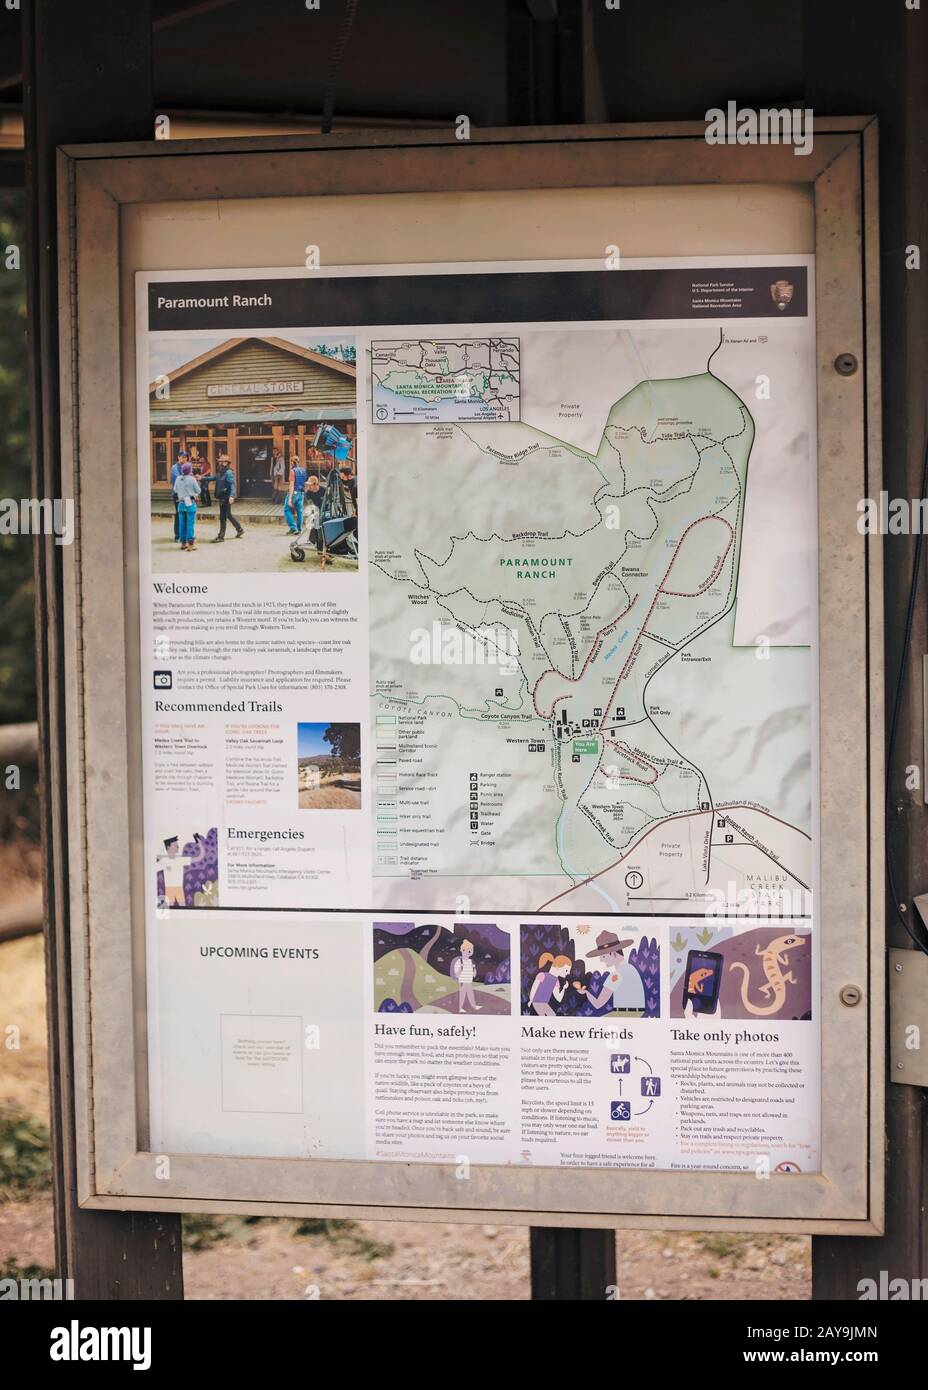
{"x":115,"y":1168}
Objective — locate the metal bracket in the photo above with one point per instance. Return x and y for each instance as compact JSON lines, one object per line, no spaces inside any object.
{"x":908,"y":1017}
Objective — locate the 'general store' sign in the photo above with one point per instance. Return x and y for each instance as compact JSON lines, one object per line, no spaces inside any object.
{"x":255,"y":388}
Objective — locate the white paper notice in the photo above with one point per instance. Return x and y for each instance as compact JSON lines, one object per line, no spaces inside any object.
{"x":262,"y":1065}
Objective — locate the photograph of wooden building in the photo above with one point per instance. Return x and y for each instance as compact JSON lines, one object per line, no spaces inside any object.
{"x":247,"y":397}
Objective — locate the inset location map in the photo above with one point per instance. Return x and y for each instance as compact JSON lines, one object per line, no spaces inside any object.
{"x":457,"y":379}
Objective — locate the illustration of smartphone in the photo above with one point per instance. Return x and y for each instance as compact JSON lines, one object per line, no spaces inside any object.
{"x":702,"y":981}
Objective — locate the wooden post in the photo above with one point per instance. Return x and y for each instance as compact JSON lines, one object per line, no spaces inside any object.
{"x":552,"y":63}
{"x":87,"y":77}
{"x":571,"y":1264}
{"x":891,"y":83}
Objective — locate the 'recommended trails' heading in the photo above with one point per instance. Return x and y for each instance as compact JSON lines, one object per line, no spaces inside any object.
{"x":515,"y":296}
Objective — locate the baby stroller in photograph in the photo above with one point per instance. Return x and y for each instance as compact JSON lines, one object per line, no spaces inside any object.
{"x":332,"y":527}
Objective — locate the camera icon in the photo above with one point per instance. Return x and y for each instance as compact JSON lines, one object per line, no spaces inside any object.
{"x":164,"y":680}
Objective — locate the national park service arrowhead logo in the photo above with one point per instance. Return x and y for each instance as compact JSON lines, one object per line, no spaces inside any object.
{"x":781,"y":292}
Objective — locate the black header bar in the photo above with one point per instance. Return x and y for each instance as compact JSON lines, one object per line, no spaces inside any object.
{"x":308,"y":301}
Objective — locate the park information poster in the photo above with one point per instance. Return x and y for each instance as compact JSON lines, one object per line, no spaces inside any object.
{"x":479,"y":713}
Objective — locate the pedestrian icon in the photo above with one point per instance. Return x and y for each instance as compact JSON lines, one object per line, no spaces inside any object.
{"x":650,"y":1086}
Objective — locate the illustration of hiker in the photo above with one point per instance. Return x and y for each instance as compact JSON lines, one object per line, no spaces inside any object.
{"x":622,"y":989}
{"x":550,"y":983}
{"x":465,"y":972}
{"x":172,"y":865}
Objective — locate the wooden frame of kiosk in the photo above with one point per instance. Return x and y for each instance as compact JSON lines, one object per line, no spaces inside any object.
{"x":426,"y":196}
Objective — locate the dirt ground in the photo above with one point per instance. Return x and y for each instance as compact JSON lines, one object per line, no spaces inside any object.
{"x":262,"y":549}
{"x":279,"y":1259}
{"x":341,"y":791}
{"x":24,"y":1070}
{"x":411,"y":1261}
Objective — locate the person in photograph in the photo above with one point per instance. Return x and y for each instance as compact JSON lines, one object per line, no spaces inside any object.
{"x":293,"y":506}
{"x":351,"y":483}
{"x":187,"y":493}
{"x":314,"y":491}
{"x":464,"y":971}
{"x":175,"y":474}
{"x":313,"y":494}
{"x":278,"y":475}
{"x":550,"y":983}
{"x":201,"y":473}
{"x":225,"y":496}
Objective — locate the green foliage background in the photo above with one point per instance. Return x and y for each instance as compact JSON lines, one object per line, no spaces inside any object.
{"x":17,"y":630}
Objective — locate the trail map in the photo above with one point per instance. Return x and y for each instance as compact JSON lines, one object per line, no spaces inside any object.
{"x":581,"y":722}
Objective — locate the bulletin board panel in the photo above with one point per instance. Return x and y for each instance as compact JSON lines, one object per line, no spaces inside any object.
{"x":504,"y":196}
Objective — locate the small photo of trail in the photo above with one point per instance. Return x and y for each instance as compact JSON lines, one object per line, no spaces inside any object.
{"x":429,"y":968}
{"x":329,"y":767}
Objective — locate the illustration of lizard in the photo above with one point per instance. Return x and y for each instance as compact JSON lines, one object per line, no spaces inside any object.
{"x":773,"y":957}
{"x":697,"y":979}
